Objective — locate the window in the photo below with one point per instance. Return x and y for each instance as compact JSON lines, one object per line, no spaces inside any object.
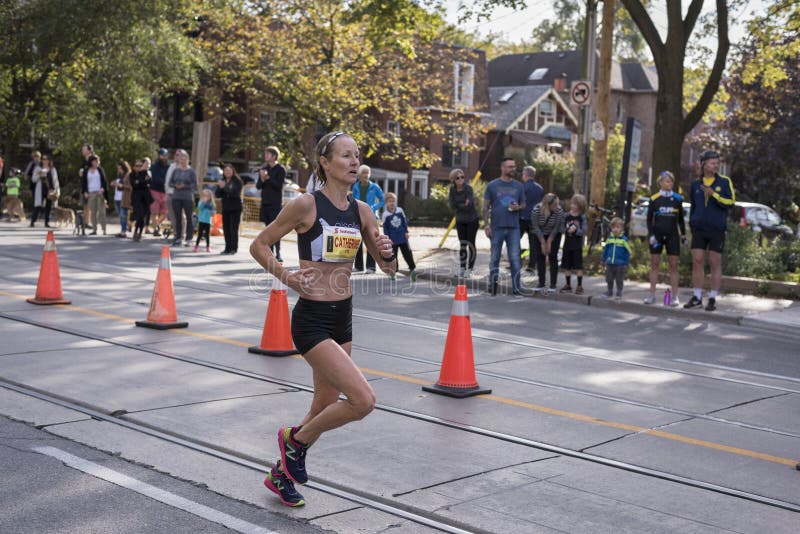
{"x":453,"y":152}
{"x":538,"y":74}
{"x":506,"y":97}
{"x":464,"y":82}
{"x":393,"y":128}
{"x":547,"y":111}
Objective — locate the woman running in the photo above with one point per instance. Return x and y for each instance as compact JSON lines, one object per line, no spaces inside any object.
{"x":330,"y":227}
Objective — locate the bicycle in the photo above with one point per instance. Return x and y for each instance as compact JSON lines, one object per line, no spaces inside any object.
{"x":601,"y":227}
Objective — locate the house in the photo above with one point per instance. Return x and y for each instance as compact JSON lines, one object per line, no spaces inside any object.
{"x":522,"y":118}
{"x":634,"y":87}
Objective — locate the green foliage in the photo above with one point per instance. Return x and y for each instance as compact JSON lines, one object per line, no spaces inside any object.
{"x":558,"y":166}
{"x":745,"y":256}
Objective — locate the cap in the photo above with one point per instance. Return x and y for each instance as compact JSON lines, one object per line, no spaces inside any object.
{"x":708,"y":154}
{"x":163,"y":151}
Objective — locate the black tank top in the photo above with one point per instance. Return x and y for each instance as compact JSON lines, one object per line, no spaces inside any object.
{"x":335,"y":235}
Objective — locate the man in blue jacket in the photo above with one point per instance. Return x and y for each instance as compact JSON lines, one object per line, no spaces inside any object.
{"x":711,"y":197}
{"x":370,"y":193}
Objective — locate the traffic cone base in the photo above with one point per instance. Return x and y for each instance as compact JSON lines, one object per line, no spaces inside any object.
{"x":276,"y":353}
{"x":162,"y":314}
{"x":45,"y":302}
{"x":161,"y":326}
{"x":48,"y":288}
{"x":276,"y":339}
{"x":457,"y":376}
{"x":458,"y":393}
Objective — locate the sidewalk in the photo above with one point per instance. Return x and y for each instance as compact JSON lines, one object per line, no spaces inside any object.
{"x":441,"y":265}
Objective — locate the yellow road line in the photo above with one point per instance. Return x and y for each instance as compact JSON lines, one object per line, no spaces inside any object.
{"x":494,"y":398}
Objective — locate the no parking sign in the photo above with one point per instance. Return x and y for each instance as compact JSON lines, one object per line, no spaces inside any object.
{"x":580,"y":93}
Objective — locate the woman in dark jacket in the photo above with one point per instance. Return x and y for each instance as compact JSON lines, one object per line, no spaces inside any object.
{"x":140,"y":197}
{"x":462,"y":202}
{"x":229,"y":189}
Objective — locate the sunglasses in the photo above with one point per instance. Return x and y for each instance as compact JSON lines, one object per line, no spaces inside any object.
{"x":459,"y":177}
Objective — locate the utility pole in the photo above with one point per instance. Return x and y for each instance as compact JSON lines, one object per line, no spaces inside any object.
{"x":600,"y":128}
{"x":580,"y":180}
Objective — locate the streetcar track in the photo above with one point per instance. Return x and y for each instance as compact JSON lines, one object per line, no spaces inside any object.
{"x":653,"y":473}
{"x":538,"y":383}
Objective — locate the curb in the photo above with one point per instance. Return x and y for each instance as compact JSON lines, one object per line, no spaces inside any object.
{"x":480,"y":285}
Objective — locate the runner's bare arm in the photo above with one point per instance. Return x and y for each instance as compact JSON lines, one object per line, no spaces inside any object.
{"x":297,"y":215}
{"x":378,"y":245}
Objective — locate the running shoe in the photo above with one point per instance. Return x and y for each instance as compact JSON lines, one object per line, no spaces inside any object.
{"x":649,"y":299}
{"x":413,"y":276}
{"x":579,"y":290}
{"x":566,"y":288}
{"x":293,"y":454}
{"x":280,"y":484}
{"x":712,"y":304}
{"x":675,"y":302}
{"x":694,"y":302}
{"x":618,"y":298}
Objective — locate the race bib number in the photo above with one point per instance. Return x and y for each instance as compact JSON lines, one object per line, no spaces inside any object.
{"x":341,"y":243}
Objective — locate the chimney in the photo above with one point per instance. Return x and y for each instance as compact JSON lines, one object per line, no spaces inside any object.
{"x":560,"y":82}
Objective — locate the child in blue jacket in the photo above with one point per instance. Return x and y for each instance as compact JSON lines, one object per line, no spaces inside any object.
{"x":205,"y":210}
{"x":395,"y":226}
{"x":616,"y":258}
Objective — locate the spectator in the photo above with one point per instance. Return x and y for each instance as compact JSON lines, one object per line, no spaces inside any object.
{"x":2,"y":185}
{"x":122,"y":195}
{"x":271,"y":177}
{"x":711,"y":196}
{"x":45,"y":190}
{"x":616,"y":257}
{"x":184,"y":182}
{"x":667,"y":230}
{"x":503,"y":200}
{"x":140,"y":198}
{"x":95,"y":187}
{"x":11,"y":203}
{"x":462,"y":202}
{"x":395,"y":226}
{"x":205,"y":210}
{"x":146,"y":164}
{"x":36,"y":161}
{"x":534,"y":193}
{"x":158,"y":179}
{"x":547,"y":220}
{"x":86,"y":152}
{"x":575,"y":227}
{"x":229,"y":189}
{"x":371,"y":193}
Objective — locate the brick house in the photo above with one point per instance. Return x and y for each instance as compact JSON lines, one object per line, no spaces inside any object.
{"x":634,"y":87}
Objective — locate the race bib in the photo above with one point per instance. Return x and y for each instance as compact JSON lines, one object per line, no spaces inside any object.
{"x":341,"y":243}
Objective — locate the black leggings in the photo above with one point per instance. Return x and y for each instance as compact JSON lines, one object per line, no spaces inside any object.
{"x":37,"y":211}
{"x":541,"y":260}
{"x":230,"y":229}
{"x":203,"y":230}
{"x":407,"y":255}
{"x":467,"y":231}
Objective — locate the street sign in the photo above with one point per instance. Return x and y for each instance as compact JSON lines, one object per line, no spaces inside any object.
{"x":581,"y":93}
{"x":598,"y":132}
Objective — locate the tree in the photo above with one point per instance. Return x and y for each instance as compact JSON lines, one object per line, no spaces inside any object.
{"x":669,"y":56}
{"x":71,"y":77}
{"x":763,"y":122}
{"x":565,"y":32}
{"x":330,"y":65}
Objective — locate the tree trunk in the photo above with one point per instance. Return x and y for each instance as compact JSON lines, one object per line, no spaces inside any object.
{"x":603,"y":101}
{"x":668,"y":137}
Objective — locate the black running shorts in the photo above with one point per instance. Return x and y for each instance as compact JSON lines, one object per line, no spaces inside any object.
{"x":315,"y":321}
{"x":669,"y":242}
{"x":713,"y":240}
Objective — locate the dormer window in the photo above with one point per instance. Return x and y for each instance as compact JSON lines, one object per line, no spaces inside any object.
{"x":547,"y":111}
{"x":464,"y":83}
{"x":538,"y":74}
{"x":505,"y":97}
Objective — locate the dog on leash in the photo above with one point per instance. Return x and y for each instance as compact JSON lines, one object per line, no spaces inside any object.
{"x":80,"y":223}
{"x":14,"y":209}
{"x":63,"y":217}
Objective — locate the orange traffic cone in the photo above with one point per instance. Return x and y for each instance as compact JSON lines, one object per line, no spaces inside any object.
{"x":457,"y":377}
{"x":163,"y":314}
{"x":276,"y":340}
{"x":48,"y":289}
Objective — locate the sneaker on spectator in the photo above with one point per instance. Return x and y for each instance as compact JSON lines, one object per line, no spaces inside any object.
{"x":675,"y":302}
{"x":694,"y":302}
{"x":649,"y":299}
{"x":566,"y":289}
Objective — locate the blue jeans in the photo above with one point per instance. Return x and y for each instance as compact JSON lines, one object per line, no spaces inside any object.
{"x":123,"y":216}
{"x":511,"y":238}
